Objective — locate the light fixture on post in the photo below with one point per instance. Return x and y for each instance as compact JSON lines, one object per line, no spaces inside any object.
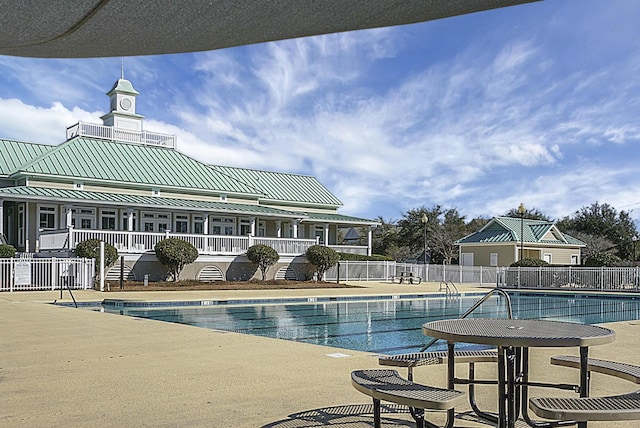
{"x":521,"y":210}
{"x":634,"y":238}
{"x":424,"y":221}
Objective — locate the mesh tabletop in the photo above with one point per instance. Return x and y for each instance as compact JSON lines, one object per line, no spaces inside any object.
{"x":518,"y":333}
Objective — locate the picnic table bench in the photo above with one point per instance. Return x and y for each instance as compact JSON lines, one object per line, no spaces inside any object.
{"x":406,"y":277}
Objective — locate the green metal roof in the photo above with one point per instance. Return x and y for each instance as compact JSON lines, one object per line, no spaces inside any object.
{"x":508,"y":229}
{"x":123,"y":85}
{"x":86,"y":197}
{"x":339,"y":218}
{"x":103,"y":160}
{"x":285,"y":187}
{"x":14,"y":154}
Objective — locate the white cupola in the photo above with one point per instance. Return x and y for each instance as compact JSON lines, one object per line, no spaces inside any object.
{"x":123,"y":107}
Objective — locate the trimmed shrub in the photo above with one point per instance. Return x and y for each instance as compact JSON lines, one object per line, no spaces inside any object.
{"x":529,"y":263}
{"x":90,"y":249}
{"x":175,"y":254}
{"x":322,"y":258}
{"x":7,"y":251}
{"x":264,"y":256}
{"x":602,"y":259}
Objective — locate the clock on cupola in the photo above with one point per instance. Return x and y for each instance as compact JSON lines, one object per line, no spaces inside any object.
{"x":123,"y":107}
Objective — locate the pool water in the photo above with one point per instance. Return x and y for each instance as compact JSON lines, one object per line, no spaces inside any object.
{"x":389,"y":326}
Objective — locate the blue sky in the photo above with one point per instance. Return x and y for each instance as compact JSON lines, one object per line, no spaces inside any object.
{"x":538,"y":103}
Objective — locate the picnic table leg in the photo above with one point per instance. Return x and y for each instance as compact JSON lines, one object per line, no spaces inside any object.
{"x":584,"y":377}
{"x":502,"y":396}
{"x":451,"y":376}
{"x":511,"y":387}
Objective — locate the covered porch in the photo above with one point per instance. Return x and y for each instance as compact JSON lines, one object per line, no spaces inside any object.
{"x":56,"y":220}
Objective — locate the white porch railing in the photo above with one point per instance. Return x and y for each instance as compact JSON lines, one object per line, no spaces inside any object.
{"x":139,"y":242}
{"x":85,"y":129}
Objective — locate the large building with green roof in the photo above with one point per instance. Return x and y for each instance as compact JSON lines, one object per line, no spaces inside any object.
{"x":131,"y":188}
{"x":505,"y":240}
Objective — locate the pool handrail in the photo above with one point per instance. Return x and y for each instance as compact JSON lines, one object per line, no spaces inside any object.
{"x":468,"y":312}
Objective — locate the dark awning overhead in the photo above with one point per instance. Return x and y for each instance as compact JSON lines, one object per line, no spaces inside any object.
{"x":102,"y":28}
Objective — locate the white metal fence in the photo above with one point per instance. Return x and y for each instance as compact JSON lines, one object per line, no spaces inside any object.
{"x":569,"y":277}
{"x":583,"y":278}
{"x":37,"y":274}
{"x":382,"y":271}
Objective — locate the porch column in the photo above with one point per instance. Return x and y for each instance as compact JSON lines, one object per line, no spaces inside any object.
{"x":326,"y":233}
{"x":130,"y":219}
{"x":252,"y":221}
{"x":279,"y":228}
{"x":294,"y":223}
{"x":205,"y":223}
{"x":68,"y":213}
{"x":26,"y":227}
{"x":370,"y":241}
{"x":1,"y":217}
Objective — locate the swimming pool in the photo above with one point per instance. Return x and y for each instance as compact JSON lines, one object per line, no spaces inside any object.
{"x":390,"y":325}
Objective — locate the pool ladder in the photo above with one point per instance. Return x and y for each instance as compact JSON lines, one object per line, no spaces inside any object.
{"x":449,"y":288}
{"x":475,"y":306}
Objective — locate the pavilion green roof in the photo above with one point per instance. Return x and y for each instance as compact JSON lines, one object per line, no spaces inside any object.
{"x":337,"y":218}
{"x":508,"y":229}
{"x":278,"y":186}
{"x":103,"y":160}
{"x":14,"y":154}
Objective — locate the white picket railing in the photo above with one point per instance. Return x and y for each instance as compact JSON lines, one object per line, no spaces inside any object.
{"x":86,"y":129}
{"x":138,"y":242}
{"x":38,"y":274}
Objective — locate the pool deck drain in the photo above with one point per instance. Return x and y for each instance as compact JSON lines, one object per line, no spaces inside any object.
{"x":77,"y":368}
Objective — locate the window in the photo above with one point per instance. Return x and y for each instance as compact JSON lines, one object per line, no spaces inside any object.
{"x":223,"y":198}
{"x":155,"y":192}
{"x":223,"y":226}
{"x":574,"y":259}
{"x":262,"y":228}
{"x":83,"y":218}
{"x":493,"y":259}
{"x":108,"y":220}
{"x":21,"y":224}
{"x":198,"y":225}
{"x":78,"y":185}
{"x":47,"y":217}
{"x":547,"y":257}
{"x":182,"y":224}
{"x":245,"y":227}
{"x":319,"y":233}
{"x":156,"y":222}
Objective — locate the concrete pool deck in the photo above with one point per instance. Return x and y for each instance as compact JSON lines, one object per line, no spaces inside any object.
{"x":61,"y":366}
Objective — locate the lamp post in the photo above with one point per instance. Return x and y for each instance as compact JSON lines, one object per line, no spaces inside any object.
{"x":634,"y":238}
{"x":424,"y":221}
{"x":521,"y":210}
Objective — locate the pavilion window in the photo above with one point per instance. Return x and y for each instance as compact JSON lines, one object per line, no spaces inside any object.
{"x":47,"y":217}
{"x":245,"y":227}
{"x":83,"y":218}
{"x":182,"y":224}
{"x":198,"y":225}
{"x":223,"y":226}
{"x":108,"y":220}
{"x":21,"y":224}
